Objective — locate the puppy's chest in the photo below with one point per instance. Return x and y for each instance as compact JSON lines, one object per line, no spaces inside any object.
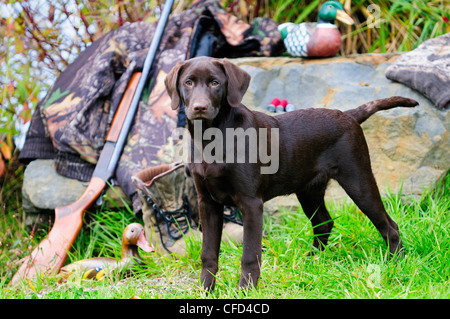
{"x":216,"y":180}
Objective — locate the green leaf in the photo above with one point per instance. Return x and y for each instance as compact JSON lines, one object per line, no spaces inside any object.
{"x":307,"y":11}
{"x":21,"y":92}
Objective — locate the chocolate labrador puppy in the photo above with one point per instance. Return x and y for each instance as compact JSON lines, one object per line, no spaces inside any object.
{"x":308,"y":148}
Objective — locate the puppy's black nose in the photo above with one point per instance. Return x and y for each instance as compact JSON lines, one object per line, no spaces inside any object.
{"x":199,"y":106}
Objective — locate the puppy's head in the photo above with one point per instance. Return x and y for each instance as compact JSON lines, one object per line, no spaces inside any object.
{"x":204,"y":85}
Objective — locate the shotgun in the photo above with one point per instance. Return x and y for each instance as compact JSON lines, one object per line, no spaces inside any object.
{"x":49,"y":256}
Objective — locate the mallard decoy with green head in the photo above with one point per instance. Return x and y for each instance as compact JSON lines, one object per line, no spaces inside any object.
{"x":133,"y":237}
{"x":316,"y":39}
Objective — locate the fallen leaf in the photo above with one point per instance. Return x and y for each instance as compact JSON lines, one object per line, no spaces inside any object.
{"x":5,"y":150}
{"x":2,"y":167}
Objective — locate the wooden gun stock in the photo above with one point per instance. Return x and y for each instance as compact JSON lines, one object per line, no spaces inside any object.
{"x":49,"y":256}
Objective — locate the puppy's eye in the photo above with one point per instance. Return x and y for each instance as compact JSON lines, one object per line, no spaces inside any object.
{"x":188,"y":83}
{"x":214,"y":83}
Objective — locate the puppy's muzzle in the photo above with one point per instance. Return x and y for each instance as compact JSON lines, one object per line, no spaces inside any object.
{"x":200,"y":107}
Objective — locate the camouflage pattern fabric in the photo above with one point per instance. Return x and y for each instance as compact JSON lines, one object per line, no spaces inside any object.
{"x":426,"y":69}
{"x":70,"y":124}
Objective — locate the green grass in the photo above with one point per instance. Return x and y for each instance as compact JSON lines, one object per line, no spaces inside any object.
{"x":355,"y":264}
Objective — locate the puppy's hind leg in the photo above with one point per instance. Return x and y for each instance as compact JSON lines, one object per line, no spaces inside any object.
{"x":356,"y":178}
{"x":313,"y":205}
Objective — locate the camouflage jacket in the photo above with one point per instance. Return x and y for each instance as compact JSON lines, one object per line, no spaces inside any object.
{"x":426,"y":69}
{"x":70,"y":124}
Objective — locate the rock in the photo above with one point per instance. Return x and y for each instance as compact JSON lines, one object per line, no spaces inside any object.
{"x":44,"y":189}
{"x":409,"y":148}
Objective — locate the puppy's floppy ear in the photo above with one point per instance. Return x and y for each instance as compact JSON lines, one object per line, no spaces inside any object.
{"x":238,"y":81}
{"x":171,"y":82}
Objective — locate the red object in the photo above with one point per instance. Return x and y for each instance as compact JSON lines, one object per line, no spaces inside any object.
{"x":324,"y":42}
{"x":445,"y":19}
{"x":275,"y":102}
{"x":283,"y":103}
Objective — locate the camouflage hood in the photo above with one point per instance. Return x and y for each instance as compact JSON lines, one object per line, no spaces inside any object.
{"x":70,"y":124}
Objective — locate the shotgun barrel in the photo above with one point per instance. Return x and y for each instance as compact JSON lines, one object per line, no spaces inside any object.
{"x":119,"y":144}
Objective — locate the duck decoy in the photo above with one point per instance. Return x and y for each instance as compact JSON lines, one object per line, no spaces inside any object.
{"x":316,"y":39}
{"x":133,"y":237}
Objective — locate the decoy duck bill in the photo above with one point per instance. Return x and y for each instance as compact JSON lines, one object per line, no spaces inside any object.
{"x":143,"y":243}
{"x":344,"y":17}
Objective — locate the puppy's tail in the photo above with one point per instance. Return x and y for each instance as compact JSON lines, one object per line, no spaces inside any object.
{"x":363,"y":112}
